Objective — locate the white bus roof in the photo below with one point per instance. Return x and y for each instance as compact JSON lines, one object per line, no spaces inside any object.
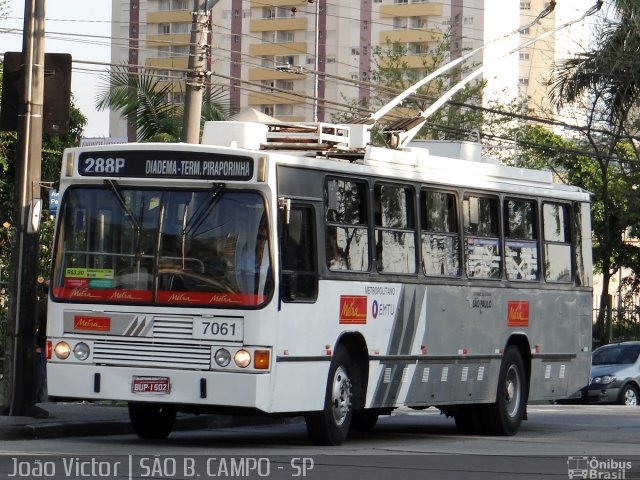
{"x":344,"y":148}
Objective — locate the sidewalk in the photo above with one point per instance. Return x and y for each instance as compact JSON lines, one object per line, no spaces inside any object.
{"x":71,"y":419}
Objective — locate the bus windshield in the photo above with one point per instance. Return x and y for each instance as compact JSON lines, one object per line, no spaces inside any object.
{"x":204,"y":247}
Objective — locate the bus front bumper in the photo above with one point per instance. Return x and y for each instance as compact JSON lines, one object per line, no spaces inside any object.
{"x":193,"y":387}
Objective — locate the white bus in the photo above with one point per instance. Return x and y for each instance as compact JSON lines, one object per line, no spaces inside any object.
{"x":296,"y":270}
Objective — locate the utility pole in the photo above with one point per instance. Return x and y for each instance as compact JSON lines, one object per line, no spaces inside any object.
{"x":316,"y":66}
{"x":196,"y":74}
{"x":19,"y":371}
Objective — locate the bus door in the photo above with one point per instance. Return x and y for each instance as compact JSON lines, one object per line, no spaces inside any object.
{"x":298,"y":254}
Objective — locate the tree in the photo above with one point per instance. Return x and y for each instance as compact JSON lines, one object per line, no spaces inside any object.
{"x":392,"y":74}
{"x":605,"y":83}
{"x":145,"y":97}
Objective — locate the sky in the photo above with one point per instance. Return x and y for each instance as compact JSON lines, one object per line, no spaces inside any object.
{"x":81,"y":28}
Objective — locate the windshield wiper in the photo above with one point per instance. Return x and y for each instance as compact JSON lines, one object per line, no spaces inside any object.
{"x":113,"y":187}
{"x":201,"y":214}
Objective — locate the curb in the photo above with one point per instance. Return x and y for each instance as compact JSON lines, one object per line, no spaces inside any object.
{"x":58,"y":430}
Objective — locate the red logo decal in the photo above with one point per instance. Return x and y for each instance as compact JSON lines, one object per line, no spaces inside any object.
{"x":353,"y":309}
{"x":94,"y":324}
{"x":518,"y":314}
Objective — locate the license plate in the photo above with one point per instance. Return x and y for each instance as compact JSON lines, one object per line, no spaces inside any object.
{"x":154,"y":385}
{"x":218,"y":328}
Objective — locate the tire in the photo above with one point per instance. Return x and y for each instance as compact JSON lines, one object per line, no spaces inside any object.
{"x":505,"y":415}
{"x":331,"y":425}
{"x":152,"y":421}
{"x":364,"y":420}
{"x":629,"y":395}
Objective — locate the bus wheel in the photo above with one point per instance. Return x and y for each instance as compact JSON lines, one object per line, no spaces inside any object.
{"x":150,"y":420}
{"x":505,"y":415}
{"x":331,"y":425}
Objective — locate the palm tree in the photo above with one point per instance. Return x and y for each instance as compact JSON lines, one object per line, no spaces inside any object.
{"x":144,"y":97}
{"x":611,"y":72}
{"x":607,"y":81}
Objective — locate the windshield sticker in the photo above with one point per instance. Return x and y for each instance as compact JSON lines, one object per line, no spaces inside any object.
{"x":89,"y":278}
{"x":88,"y":273}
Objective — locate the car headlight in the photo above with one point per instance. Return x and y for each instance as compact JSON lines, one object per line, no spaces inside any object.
{"x":603,"y":380}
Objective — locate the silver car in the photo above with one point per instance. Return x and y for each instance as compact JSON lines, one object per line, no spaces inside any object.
{"x":615,"y":374}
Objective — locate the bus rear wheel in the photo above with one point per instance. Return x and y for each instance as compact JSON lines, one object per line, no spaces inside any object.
{"x":505,"y":415}
{"x":330,"y":426}
{"x":152,"y":421}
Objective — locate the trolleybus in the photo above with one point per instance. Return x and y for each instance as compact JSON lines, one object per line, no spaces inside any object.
{"x":294,"y":269}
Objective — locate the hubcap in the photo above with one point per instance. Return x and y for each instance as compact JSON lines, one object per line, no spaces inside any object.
{"x":630,"y":398}
{"x":512,"y":391}
{"x":340,"y":395}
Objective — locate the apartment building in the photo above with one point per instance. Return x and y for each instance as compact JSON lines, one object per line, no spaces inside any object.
{"x":303,"y":60}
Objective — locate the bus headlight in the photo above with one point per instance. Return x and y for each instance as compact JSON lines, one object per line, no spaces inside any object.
{"x":81,"y":351}
{"x":62,"y":350}
{"x":222,"y":357}
{"x":242,"y":358}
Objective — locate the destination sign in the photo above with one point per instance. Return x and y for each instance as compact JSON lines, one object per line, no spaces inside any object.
{"x":165,"y":164}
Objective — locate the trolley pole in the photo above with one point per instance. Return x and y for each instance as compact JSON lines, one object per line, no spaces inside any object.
{"x":196,"y":74}
{"x":19,"y":371}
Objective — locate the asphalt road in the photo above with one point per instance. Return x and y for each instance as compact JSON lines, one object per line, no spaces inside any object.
{"x":556,"y":442}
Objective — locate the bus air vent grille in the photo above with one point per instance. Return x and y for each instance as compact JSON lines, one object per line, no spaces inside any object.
{"x":172,"y":327}
{"x":152,"y":354}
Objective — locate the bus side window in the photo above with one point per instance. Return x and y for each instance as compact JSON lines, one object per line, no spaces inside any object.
{"x":482,"y":236}
{"x":395,"y":234}
{"x":439,"y":234}
{"x":298,"y":256}
{"x":557,"y":243}
{"x":346,"y":231}
{"x":521,"y":234}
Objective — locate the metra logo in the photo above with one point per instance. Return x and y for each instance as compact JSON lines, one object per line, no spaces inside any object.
{"x":353,"y":309}
{"x":182,"y":298}
{"x":518,"y":314}
{"x":122,"y":295}
{"x":223,"y":298}
{"x":82,"y":293}
{"x":94,"y":324}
